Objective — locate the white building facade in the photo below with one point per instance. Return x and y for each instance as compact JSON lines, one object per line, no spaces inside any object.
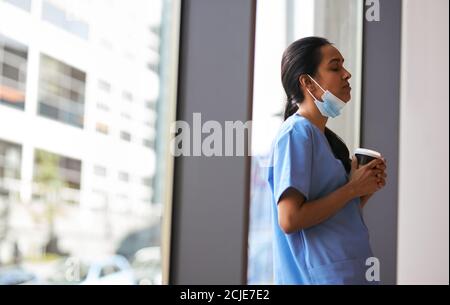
{"x":78,"y":89}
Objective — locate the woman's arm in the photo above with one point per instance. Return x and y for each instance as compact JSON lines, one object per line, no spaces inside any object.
{"x":295,"y":214}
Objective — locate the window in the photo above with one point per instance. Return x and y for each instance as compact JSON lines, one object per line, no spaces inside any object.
{"x":147,"y":181}
{"x":104,"y":86}
{"x":71,"y":190}
{"x":150,"y":105}
{"x":126,"y":136}
{"x":100,"y":171}
{"x":148,"y":143}
{"x":13,"y":71}
{"x":10,"y":186}
{"x":61,"y":92}
{"x":53,"y":12}
{"x":10,"y":161}
{"x":23,"y":4}
{"x":109,"y":270}
{"x":102,"y":128}
{"x":102,"y":107}
{"x":278,"y":24}
{"x":127,"y":96}
{"x":57,"y":178}
{"x":153,"y":67}
{"x":124,"y":177}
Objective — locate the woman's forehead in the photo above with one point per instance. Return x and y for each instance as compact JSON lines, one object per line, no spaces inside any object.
{"x":330,"y":53}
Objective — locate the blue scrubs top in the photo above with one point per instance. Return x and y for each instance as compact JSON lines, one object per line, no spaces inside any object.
{"x":334,"y":251}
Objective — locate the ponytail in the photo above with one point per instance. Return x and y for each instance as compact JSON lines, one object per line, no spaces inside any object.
{"x":290,"y":108}
{"x":339,"y":149}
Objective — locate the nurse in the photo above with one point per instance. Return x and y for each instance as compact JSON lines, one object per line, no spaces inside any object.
{"x":318,"y":193}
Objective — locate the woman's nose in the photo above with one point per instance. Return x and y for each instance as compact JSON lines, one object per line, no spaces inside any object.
{"x":347,"y":75}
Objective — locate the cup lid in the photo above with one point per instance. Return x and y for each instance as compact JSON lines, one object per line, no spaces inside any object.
{"x":368,"y":152}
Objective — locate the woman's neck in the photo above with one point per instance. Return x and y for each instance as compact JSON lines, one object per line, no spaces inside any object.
{"x":310,"y":111}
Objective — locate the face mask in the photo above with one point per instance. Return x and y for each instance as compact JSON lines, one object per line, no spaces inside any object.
{"x":331,"y":105}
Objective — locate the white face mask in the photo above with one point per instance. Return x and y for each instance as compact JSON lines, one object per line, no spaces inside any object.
{"x":331,"y":105}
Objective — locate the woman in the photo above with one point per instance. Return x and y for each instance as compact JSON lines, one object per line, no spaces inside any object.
{"x":318,"y":192}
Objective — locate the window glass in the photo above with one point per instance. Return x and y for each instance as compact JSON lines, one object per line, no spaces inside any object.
{"x":13,"y":72}
{"x":85,"y":166}
{"x":280,"y":23}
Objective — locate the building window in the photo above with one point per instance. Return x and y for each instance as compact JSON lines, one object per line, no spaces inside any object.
{"x":13,"y":73}
{"x":126,"y":136}
{"x":150,"y":105}
{"x":147,"y":181}
{"x":102,"y":106}
{"x":10,"y":160}
{"x":124,"y":177}
{"x":23,"y":4}
{"x":127,"y":96}
{"x":102,"y":128}
{"x":55,"y":172}
{"x":100,"y":171}
{"x":281,"y":23}
{"x":104,"y":86}
{"x":148,"y":143}
{"x":61,"y":92}
{"x":153,"y":67}
{"x":59,"y":17}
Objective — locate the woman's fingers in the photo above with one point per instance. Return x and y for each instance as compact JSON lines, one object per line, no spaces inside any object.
{"x":381,"y":166}
{"x":381,"y":175}
{"x":381,"y":182}
{"x":374,"y":163}
{"x":378,"y":172}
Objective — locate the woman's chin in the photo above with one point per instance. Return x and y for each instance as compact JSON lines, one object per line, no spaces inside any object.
{"x":347,"y":97}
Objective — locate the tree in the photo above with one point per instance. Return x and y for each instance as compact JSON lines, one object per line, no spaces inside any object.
{"x":50,"y":185}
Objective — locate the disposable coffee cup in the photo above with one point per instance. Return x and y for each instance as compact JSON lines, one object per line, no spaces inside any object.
{"x":365,"y":156}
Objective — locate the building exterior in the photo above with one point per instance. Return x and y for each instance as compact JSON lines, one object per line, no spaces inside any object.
{"x":79,"y":87}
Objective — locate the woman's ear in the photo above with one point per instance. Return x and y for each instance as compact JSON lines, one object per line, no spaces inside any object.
{"x":306,"y":83}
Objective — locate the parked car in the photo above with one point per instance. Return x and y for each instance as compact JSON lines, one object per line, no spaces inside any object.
{"x":110,"y":270}
{"x":15,"y":275}
{"x":146,"y":265}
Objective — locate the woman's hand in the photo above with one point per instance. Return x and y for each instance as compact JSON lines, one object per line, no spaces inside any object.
{"x":367,"y":179}
{"x":382,"y":182}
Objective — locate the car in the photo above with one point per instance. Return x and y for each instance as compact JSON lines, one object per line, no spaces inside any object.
{"x":146,"y":264}
{"x":15,"y":275}
{"x":106,"y":270}
{"x":110,"y":271}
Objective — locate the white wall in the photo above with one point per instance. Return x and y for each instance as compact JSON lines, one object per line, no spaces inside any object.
{"x":423,"y":233}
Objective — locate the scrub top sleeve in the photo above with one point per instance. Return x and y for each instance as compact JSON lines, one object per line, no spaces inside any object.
{"x":292,"y":163}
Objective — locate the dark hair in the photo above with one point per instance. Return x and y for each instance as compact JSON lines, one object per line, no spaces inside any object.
{"x":303,"y":57}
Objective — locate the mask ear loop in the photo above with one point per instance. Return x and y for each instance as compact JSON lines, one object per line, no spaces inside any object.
{"x":310,"y":91}
{"x":315,"y":82}
{"x":312,"y":95}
